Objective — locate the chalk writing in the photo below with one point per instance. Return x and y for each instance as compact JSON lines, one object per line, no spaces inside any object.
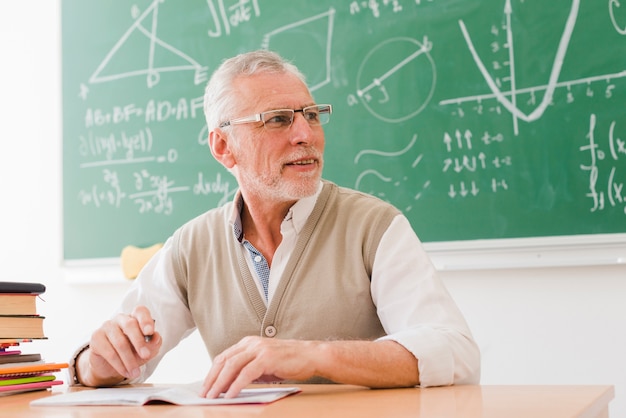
{"x":466,"y":159}
{"x":232,"y":16}
{"x":152,"y":111}
{"x":494,"y":84}
{"x":109,"y":145}
{"x":156,"y":48}
{"x":620,"y":27}
{"x":374,"y":6}
{"x":322,"y":27}
{"x":611,"y":192}
{"x":218,"y":186}
{"x":110,"y":194}
{"x":381,"y":92}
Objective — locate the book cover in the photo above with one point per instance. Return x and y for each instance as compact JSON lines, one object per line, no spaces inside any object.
{"x":12,"y":342}
{"x":18,"y":304}
{"x":22,"y":287}
{"x":19,"y":358}
{"x":7,"y":381}
{"x":31,"y":369}
{"x":27,"y":387}
{"x":178,"y":395}
{"x":12,"y":346}
{"x":18,"y":326}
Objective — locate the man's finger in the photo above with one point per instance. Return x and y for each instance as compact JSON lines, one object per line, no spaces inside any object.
{"x":144,"y":319}
{"x":228,"y":368}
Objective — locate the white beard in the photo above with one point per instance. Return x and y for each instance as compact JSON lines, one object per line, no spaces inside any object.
{"x":276,"y":188}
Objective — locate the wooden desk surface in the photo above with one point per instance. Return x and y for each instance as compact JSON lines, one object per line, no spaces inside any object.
{"x":352,"y":401}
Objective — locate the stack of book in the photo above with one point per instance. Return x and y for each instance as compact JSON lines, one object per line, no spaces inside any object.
{"x":19,"y":325}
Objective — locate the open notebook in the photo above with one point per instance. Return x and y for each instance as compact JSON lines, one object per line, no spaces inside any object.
{"x":177,"y":395}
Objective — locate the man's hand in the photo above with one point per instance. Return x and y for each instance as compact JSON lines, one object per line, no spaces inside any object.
{"x":377,"y":364}
{"x":118,"y":349}
{"x":256,"y":359}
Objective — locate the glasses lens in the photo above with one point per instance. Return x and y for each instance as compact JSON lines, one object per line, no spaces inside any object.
{"x":317,"y":115}
{"x":324,"y":112}
{"x":311,"y":115}
{"x":277,"y":119}
{"x":283,"y":118}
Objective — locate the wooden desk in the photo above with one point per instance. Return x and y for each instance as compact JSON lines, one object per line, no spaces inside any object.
{"x":330,"y":401}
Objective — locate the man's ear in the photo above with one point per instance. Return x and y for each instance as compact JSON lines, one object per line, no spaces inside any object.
{"x":220,"y":148}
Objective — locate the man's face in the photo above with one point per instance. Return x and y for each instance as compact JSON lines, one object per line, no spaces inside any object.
{"x":284,"y":164}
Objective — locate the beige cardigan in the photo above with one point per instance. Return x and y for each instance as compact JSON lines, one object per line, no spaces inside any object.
{"x":324,"y":293}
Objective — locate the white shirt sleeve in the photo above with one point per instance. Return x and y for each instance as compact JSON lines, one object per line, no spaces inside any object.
{"x":417,"y":311}
{"x":156,"y":288}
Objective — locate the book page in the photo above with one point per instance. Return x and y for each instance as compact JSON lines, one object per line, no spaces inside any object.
{"x":103,"y":396}
{"x":188,"y":395}
{"x":178,"y":395}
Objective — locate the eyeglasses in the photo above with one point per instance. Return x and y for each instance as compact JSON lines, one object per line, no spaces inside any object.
{"x":283,"y":118}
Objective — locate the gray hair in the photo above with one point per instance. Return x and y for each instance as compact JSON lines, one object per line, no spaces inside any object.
{"x":219,"y":101}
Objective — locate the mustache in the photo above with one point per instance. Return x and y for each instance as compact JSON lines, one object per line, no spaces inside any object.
{"x":304,"y":153}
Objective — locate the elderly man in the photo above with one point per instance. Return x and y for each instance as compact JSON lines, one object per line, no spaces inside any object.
{"x":296,"y":279}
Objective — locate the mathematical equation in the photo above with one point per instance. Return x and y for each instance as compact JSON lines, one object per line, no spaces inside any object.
{"x":610,"y":192}
{"x":374,"y":6}
{"x":229,"y":15}
{"x":108,"y":143}
{"x":150,"y":192}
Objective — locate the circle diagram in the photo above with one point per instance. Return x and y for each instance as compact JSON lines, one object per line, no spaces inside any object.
{"x":397,"y":78}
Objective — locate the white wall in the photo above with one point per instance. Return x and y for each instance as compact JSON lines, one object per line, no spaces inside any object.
{"x":534,"y":326}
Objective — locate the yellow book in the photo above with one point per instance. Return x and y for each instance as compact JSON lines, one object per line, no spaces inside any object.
{"x":18,"y":304}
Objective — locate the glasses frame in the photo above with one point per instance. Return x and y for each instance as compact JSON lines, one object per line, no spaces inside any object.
{"x":260,"y":117}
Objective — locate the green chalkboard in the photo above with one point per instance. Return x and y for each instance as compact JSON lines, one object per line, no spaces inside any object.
{"x":479,"y":119}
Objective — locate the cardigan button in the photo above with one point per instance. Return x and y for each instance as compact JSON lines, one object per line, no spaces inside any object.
{"x":270,"y":331}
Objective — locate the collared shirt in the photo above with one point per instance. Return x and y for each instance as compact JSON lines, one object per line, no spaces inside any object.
{"x":290,"y":228}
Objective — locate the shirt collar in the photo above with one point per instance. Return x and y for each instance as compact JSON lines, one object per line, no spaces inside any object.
{"x":297,"y":214}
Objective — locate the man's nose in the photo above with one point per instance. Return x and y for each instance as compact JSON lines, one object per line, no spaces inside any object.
{"x":301,"y":131}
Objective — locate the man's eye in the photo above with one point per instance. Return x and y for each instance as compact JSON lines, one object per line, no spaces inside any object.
{"x":312,"y":116}
{"x":281,"y":119}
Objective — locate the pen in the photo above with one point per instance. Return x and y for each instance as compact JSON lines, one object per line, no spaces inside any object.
{"x":148,"y":338}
